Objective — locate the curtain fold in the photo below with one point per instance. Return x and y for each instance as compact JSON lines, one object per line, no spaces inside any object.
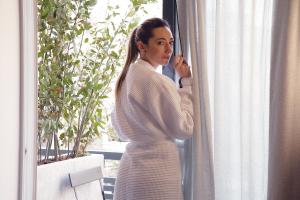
{"x":229,"y":42}
{"x":198,"y":171}
{"x":284,"y":150}
{"x":230,"y":52}
{"x":240,"y":100}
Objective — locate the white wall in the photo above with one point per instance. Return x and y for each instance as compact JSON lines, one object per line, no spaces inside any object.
{"x":9,"y":98}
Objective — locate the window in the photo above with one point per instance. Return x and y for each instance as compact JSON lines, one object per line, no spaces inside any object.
{"x":29,"y":117}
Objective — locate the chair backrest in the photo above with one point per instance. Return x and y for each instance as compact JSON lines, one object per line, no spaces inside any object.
{"x":84,"y":181}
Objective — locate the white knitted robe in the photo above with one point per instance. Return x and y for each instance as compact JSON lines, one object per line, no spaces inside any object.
{"x":150,"y":114}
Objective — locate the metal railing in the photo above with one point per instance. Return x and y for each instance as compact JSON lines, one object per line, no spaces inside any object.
{"x":108,"y":182}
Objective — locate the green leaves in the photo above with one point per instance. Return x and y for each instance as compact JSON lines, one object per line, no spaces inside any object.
{"x":91,"y":3}
{"x":77,"y":61}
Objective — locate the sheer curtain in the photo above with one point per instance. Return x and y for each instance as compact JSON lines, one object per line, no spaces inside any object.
{"x":198,"y":171}
{"x":240,"y":57}
{"x":230,"y":47}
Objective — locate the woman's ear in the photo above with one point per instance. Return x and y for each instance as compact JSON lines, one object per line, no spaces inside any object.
{"x":141,"y":47}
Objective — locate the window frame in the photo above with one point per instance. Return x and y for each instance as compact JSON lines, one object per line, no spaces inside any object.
{"x":169,"y":14}
{"x":28,"y":100}
{"x":29,"y":94}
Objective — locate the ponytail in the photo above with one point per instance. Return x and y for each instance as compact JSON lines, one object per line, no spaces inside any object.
{"x":143,"y":33}
{"x":132,"y":55}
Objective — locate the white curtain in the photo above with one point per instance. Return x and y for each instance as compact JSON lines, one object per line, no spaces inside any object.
{"x":198,"y":168}
{"x":240,"y":56}
{"x":284,"y":166}
{"x":230,"y":50}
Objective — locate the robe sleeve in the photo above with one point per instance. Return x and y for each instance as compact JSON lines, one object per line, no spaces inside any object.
{"x":172,"y":108}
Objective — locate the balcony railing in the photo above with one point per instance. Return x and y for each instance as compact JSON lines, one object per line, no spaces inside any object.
{"x":108,"y":182}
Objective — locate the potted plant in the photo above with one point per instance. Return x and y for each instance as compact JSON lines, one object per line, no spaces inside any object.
{"x":77,"y":61}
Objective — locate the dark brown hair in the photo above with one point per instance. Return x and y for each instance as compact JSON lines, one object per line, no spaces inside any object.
{"x":141,"y":33}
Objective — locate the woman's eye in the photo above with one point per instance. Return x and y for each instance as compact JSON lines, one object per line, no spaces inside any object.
{"x":160,"y":43}
{"x":171,"y":43}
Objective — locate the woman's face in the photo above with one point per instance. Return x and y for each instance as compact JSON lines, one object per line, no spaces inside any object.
{"x":159,"y":48}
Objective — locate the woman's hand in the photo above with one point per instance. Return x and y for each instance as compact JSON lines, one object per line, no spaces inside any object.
{"x":181,"y":66}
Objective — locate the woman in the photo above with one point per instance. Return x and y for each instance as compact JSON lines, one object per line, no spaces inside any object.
{"x":150,"y":113}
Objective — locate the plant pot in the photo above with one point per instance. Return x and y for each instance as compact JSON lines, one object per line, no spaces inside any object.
{"x":53,"y":179}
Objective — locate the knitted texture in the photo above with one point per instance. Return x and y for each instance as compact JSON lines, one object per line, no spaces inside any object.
{"x":150,"y":113}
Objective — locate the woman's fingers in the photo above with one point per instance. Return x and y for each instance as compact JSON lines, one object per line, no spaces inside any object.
{"x":181,"y":67}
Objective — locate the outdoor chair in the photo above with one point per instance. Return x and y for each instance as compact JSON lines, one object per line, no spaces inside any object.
{"x":88,"y":178}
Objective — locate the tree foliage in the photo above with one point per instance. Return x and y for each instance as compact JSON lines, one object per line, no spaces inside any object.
{"x":77,"y":61}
